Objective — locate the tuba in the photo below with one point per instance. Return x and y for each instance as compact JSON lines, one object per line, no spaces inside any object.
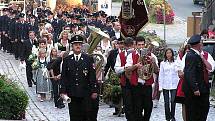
{"x":95,"y":38}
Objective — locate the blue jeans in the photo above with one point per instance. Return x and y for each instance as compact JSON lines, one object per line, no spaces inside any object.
{"x":169,"y":111}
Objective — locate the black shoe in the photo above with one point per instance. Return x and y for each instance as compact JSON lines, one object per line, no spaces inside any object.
{"x":17,"y":58}
{"x":61,"y":106}
{"x":173,"y":119}
{"x":29,"y":85}
{"x":34,"y":82}
{"x":115,"y":113}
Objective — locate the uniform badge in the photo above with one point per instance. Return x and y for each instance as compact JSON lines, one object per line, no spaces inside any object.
{"x":77,"y":38}
{"x":85,"y":72}
{"x":94,"y":66}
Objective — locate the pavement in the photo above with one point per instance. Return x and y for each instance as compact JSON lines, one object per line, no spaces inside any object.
{"x":45,"y":111}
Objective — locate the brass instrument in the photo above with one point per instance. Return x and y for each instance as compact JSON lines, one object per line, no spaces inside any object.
{"x":149,"y":67}
{"x":147,"y":70}
{"x":95,"y":38}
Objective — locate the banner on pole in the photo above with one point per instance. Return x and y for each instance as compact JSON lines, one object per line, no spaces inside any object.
{"x":133,"y":17}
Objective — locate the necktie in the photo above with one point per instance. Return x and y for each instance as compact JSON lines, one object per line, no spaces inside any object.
{"x":76,"y":58}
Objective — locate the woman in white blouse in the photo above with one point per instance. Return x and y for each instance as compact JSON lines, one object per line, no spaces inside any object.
{"x":168,"y":81}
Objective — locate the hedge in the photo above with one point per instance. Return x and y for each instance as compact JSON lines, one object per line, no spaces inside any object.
{"x":13,"y":100}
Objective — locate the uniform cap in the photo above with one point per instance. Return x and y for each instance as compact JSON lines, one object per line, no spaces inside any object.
{"x":195,"y":39}
{"x":77,"y":39}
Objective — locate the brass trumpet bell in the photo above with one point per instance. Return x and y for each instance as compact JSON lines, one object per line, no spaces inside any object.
{"x":95,"y":38}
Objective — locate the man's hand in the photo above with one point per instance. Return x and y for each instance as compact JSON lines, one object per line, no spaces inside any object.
{"x":197,"y":93}
{"x":180,"y":74}
{"x":59,"y":76}
{"x":139,"y":65}
{"x":55,"y":78}
{"x":94,"y":95}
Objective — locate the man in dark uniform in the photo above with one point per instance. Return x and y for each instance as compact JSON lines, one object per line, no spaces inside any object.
{"x":4,"y":29}
{"x":196,"y":85}
{"x":79,"y":83}
{"x":25,"y":52}
{"x":53,"y":22}
{"x":12,"y":32}
{"x":33,"y":24}
{"x":21,"y":34}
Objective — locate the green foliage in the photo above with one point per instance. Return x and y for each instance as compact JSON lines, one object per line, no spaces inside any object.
{"x":112,"y":90}
{"x":13,"y":100}
{"x":116,"y":94}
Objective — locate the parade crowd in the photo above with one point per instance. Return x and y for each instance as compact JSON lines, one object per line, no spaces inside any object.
{"x":53,"y":47}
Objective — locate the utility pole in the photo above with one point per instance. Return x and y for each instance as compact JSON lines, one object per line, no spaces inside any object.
{"x":164,"y":19}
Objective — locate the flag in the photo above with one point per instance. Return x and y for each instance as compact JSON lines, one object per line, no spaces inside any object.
{"x":133,"y":17}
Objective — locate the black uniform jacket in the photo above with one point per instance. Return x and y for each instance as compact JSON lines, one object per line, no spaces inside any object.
{"x":111,"y":60}
{"x":78,"y":77}
{"x":194,"y":75}
{"x":26,"y":50}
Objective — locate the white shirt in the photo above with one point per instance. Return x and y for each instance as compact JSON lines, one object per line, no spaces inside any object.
{"x":209,"y":59}
{"x":79,"y":56}
{"x":168,"y":75}
{"x":118,"y":68}
{"x":117,"y":34}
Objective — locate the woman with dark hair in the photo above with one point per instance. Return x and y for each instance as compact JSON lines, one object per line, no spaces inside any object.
{"x":180,"y":97}
{"x":168,"y":81}
{"x":54,"y":68}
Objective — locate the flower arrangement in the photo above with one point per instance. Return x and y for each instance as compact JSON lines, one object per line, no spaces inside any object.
{"x":35,"y":65}
{"x":32,"y":57}
{"x":156,"y":11}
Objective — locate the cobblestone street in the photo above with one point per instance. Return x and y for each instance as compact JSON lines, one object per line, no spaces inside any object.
{"x":45,"y":111}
